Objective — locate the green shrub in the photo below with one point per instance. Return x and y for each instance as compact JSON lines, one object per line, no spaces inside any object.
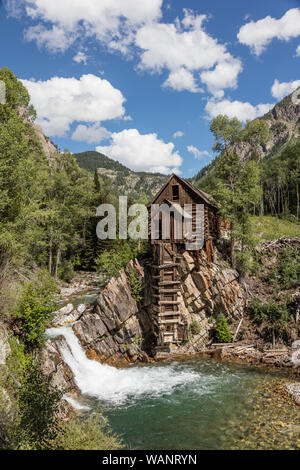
{"x":38,"y":403}
{"x":223,"y":333}
{"x":289,"y":268}
{"x":66,"y":271}
{"x":286,"y":272}
{"x":16,"y":362}
{"x":273,"y":314}
{"x":87,"y":433}
{"x":110,"y":262}
{"x":195,"y":328}
{"x":136,"y":284}
{"x":35,"y":308}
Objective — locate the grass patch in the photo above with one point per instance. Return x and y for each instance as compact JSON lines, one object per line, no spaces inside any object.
{"x":269,"y":228}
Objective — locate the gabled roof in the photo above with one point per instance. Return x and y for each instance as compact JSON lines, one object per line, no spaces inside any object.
{"x":206,"y":197}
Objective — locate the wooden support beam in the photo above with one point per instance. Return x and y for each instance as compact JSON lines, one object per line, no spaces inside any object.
{"x":165,"y":291}
{"x":169,"y":314}
{"x":168,"y":322}
{"x":164,"y":266}
{"x":170,"y":302}
{"x":168,"y":283}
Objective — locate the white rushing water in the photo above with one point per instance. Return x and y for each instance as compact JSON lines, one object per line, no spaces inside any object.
{"x":118,"y":385}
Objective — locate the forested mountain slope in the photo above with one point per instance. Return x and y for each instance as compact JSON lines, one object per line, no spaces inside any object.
{"x":284,"y":127}
{"x":123,"y":180}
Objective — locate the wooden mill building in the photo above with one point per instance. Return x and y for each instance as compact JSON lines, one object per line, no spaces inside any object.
{"x":166,"y":253}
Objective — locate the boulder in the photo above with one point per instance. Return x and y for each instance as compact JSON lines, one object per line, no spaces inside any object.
{"x":67,"y":315}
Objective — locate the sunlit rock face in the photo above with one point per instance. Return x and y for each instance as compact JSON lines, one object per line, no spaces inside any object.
{"x":118,"y":330}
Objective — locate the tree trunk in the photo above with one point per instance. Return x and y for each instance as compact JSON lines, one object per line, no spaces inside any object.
{"x":84,"y":234}
{"x":58,"y":256}
{"x":297,"y":215}
{"x":50,"y":262}
{"x":232,"y":248}
{"x":261,"y":205}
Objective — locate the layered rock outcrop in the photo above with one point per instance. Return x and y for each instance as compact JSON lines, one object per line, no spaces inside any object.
{"x":117,"y":329}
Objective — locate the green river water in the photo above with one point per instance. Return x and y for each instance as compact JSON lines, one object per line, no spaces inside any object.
{"x":226,"y":406}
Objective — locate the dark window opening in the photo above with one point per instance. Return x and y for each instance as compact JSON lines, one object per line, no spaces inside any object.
{"x":160,"y":227}
{"x":175,"y":192}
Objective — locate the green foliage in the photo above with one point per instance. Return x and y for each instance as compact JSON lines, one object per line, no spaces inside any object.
{"x":36,"y":306}
{"x":17,"y":360}
{"x":273,"y":314}
{"x":124,"y":181}
{"x":255,"y":133}
{"x":269,"y":228}
{"x":225,"y":130}
{"x":195,"y":328}
{"x":91,"y":161}
{"x":66,"y":271}
{"x":111,"y":262}
{"x":38,"y":403}
{"x":136,"y":284}
{"x":236,"y":188}
{"x":286,"y":272}
{"x":281,"y":181}
{"x":223,"y":333}
{"x":87,"y":433}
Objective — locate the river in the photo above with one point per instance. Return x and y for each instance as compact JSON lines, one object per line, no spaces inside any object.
{"x":190,"y":404}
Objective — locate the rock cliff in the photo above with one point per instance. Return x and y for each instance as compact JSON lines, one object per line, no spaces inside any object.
{"x":118,"y":330}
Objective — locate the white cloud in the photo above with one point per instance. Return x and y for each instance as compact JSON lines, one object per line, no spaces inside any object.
{"x":280,"y":90}
{"x":224,"y":75}
{"x":183,"y":48}
{"x":198,"y":153}
{"x":298,"y":51}
{"x":242,"y":110}
{"x":178,"y":134}
{"x":61,"y":101}
{"x":80,"y":57}
{"x":56,"y":39}
{"x":110,"y":21}
{"x":258,"y":35}
{"x":180,"y":80}
{"x":142,"y":152}
{"x":90,"y":134}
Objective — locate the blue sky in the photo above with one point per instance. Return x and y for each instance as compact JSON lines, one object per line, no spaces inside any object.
{"x":140,"y":81}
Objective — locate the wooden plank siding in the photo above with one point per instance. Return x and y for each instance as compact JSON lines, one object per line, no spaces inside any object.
{"x":165,"y":255}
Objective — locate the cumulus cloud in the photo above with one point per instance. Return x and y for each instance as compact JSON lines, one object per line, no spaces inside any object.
{"x":178,"y":134}
{"x":90,"y":134}
{"x":298,"y":51}
{"x":61,"y":101}
{"x":224,"y":75}
{"x":242,"y":110}
{"x":184,"y":48}
{"x":280,"y":90}
{"x":258,"y":35}
{"x":142,"y":152}
{"x":180,"y":80}
{"x":110,"y":21}
{"x":198,"y":153}
{"x":80,"y":57}
{"x":56,"y":39}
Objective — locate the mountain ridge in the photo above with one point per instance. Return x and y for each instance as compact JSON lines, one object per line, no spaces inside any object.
{"x":124,"y":180}
{"x":283,"y":121}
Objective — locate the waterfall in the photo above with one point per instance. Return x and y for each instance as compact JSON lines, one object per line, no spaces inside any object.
{"x":118,"y":385}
